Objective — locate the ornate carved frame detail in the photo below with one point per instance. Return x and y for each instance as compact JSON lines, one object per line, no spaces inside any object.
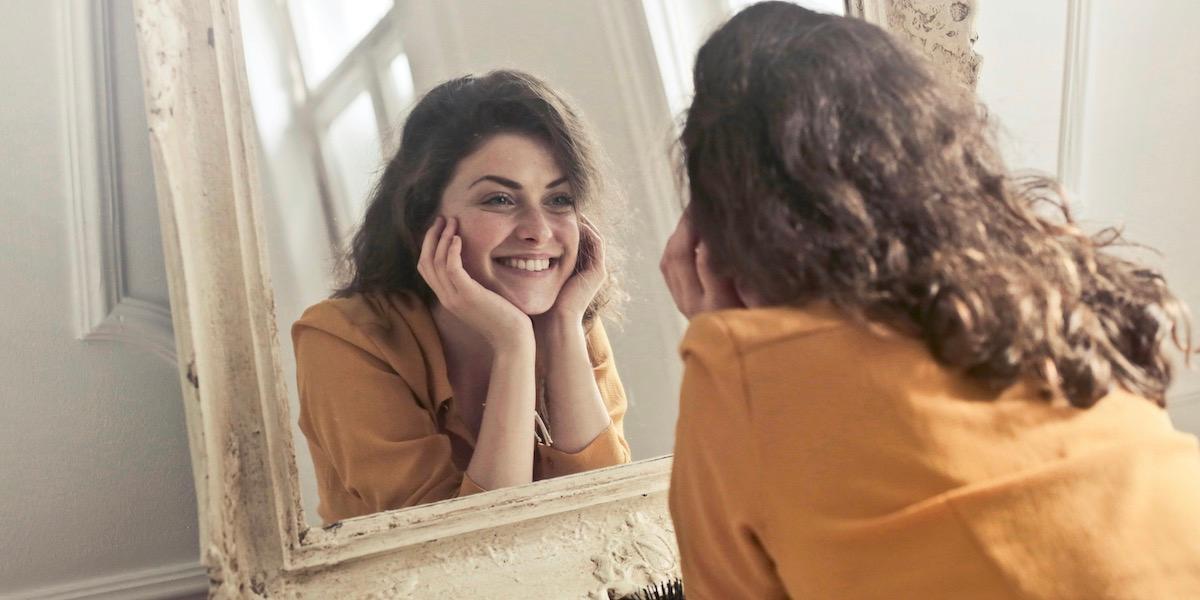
{"x":943,"y":29}
{"x":590,"y":534}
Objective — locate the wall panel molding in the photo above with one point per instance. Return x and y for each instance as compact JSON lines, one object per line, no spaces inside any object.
{"x":170,"y":581}
{"x":104,"y":310}
{"x":1070,"y":136}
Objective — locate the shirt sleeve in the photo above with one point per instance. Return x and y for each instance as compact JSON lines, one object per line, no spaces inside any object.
{"x":609,"y":448}
{"x":381,"y":446}
{"x":715,"y":475}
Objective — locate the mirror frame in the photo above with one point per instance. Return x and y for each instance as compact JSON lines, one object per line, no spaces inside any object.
{"x":591,"y":534}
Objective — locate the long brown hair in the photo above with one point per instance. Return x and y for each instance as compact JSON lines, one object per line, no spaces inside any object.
{"x":826,"y":161}
{"x":449,"y":123}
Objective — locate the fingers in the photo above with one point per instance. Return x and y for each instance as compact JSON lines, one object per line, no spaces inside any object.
{"x":681,"y":246}
{"x":425,"y":264}
{"x":429,"y":246}
{"x":688,"y":270}
{"x":458,"y":282}
{"x":592,"y":247}
{"x":678,"y":266}
{"x":435,"y":254}
{"x":718,"y":292}
{"x":455,"y":272}
{"x":443,"y":246}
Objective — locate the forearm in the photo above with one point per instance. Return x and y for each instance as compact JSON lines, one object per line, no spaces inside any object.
{"x":504,"y":449}
{"x":577,"y":411}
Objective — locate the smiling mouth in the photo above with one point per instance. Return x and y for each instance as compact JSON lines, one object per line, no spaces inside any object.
{"x":531,"y":265}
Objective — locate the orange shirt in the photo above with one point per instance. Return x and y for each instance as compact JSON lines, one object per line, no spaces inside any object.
{"x":379,"y":415}
{"x":817,"y":458}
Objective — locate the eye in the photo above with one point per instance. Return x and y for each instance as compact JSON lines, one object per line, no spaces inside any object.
{"x":561,"y":201}
{"x":499,"y":200}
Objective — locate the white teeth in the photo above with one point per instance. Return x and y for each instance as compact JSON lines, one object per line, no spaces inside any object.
{"x":534,"y":265}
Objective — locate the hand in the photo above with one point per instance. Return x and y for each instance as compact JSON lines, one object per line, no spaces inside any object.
{"x":686,"y":268}
{"x":581,"y":288}
{"x":486,"y":312}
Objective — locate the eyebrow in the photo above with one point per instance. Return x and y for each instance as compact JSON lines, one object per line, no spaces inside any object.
{"x":508,"y":183}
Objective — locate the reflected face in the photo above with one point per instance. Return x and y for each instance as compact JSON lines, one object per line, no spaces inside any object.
{"x":517,"y":220}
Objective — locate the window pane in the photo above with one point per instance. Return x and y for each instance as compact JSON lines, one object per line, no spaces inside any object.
{"x":353,"y":152}
{"x":326,"y":30}
{"x":402,"y":81}
{"x":267,"y":71}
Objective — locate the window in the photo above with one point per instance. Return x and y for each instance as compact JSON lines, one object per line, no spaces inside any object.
{"x":678,"y":28}
{"x":837,"y":7}
{"x":333,"y":78}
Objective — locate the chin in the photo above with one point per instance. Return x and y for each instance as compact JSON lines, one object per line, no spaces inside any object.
{"x":533,"y":306}
{"x":531,"y":298}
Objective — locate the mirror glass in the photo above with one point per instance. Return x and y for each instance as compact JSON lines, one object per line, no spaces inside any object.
{"x":331,"y":84}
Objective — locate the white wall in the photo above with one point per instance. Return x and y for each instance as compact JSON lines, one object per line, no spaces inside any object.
{"x":97,"y":493}
{"x":1022,"y":43}
{"x":1142,"y":138}
{"x":1139,"y":133}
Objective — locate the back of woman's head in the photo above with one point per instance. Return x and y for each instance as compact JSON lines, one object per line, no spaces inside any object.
{"x":827,"y":162}
{"x":448,"y":124}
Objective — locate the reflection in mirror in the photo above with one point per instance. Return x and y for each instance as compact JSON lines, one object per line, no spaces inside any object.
{"x":402,"y":399}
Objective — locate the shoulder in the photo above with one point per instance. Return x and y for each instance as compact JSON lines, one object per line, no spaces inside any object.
{"x":731,"y":333}
{"x":360,"y":311}
{"x":362,"y":320}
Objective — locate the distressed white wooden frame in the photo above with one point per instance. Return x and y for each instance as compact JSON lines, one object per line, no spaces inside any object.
{"x":590,"y":534}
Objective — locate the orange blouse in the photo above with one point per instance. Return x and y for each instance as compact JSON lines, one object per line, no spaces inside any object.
{"x":379,"y":415}
{"x":817,"y":458}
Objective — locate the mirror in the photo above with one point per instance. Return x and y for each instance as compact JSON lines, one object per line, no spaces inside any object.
{"x":331,"y":85}
{"x":245,"y":254}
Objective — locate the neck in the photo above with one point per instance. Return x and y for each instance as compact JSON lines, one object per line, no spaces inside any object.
{"x":467,"y":352}
{"x":464,"y":348}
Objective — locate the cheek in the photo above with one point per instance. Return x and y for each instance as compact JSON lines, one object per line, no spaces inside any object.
{"x":569,"y":234}
{"x":480,"y":234}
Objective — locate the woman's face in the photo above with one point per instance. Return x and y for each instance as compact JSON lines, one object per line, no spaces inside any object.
{"x":517,"y":220}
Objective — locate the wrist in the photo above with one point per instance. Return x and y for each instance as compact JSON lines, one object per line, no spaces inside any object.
{"x":556,"y":325}
{"x":516,"y":340}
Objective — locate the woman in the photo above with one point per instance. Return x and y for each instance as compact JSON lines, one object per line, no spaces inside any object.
{"x":465,"y":352}
{"x":922,"y":386}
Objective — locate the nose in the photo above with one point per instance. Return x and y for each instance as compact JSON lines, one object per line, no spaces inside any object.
{"x":533,"y":227}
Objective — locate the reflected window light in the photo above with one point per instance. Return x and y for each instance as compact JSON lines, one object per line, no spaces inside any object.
{"x":266,"y":68}
{"x":327,"y":30}
{"x":837,"y":7}
{"x":352,"y":148}
{"x":402,"y":80}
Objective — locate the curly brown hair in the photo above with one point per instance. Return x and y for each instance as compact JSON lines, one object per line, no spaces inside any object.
{"x":826,"y":161}
{"x":449,"y":123}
